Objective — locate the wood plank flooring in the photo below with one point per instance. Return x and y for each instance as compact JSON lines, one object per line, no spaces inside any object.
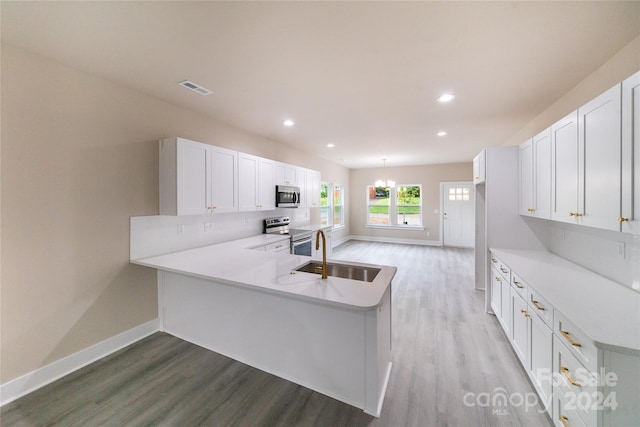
{"x":446,"y":351}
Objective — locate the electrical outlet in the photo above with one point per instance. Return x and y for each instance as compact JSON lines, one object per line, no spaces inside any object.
{"x":208,"y":226}
{"x":180,"y":228}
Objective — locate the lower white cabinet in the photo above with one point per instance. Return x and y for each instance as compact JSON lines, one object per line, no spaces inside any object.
{"x":578,"y":382}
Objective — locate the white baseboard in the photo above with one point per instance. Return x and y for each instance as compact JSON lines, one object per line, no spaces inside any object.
{"x":396,"y":240}
{"x":34,"y":380}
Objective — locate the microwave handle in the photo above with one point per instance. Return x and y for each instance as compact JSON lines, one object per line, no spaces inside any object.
{"x":296,"y":196}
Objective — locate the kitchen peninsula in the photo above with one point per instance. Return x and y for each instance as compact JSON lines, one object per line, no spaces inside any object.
{"x":332,"y":336}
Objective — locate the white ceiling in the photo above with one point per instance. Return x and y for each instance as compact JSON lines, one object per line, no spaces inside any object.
{"x":361,"y":75}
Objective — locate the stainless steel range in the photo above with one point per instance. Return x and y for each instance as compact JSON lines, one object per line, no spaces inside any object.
{"x":300,"y":239}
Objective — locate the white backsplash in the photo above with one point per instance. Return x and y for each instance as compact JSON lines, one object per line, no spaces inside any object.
{"x":160,"y":234}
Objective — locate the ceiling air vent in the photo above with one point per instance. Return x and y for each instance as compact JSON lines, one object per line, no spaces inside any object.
{"x":196,"y":88}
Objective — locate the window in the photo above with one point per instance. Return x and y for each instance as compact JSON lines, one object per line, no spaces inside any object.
{"x":338,"y":202}
{"x":331,"y":204}
{"x":459,"y":193}
{"x":399,"y":206}
{"x":325,"y":204}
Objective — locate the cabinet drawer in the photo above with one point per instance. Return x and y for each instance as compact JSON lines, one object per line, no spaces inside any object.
{"x":576,"y":384}
{"x":564,"y":413}
{"x":282,"y":246}
{"x":502,"y":268}
{"x":576,"y":341}
{"x":540,"y":306}
{"x":519,"y":285}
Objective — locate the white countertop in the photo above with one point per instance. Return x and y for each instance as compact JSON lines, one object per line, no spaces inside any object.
{"x":606,"y":311}
{"x":235,"y":263}
{"x":314,"y":227}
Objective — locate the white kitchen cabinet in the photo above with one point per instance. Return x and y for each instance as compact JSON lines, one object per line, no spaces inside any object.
{"x":599,"y":161}
{"x":301,"y":181}
{"x":496,"y":293}
{"x":313,"y":188}
{"x":285,"y":174}
{"x":541,"y":357}
{"x":520,"y":327}
{"x":537,"y":183}
{"x":479,"y":166}
{"x":526,"y":205}
{"x":279,"y":247}
{"x":256,"y":188}
{"x":196,"y":178}
{"x":630,"y":217}
{"x":564,"y":166}
{"x":224,"y":179}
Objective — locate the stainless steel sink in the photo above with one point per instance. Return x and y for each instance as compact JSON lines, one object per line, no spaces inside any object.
{"x":353,"y":272}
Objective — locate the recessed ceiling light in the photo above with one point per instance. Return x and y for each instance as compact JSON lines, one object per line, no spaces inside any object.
{"x":441,"y":133}
{"x":288,"y":123}
{"x":330,"y":145}
{"x":445,"y":97}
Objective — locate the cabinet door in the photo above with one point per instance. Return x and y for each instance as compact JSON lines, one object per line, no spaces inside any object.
{"x":192,"y":178}
{"x":542,"y":174}
{"x":266,"y":185}
{"x":479,"y":171}
{"x":599,"y":167}
{"x":224,"y":173}
{"x":496,"y":293}
{"x":541,"y":357}
{"x":630,"y":218}
{"x":301,"y":181}
{"x":313,"y":188}
{"x":520,"y":327}
{"x":527,"y":190}
{"x":564,"y":164}
{"x":505,"y":301}
{"x":247,"y":182}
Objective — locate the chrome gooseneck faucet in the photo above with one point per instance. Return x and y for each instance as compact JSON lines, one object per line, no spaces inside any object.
{"x":324,"y":251}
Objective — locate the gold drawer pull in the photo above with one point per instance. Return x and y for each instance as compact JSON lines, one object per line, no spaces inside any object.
{"x":503,"y":270}
{"x":279,"y":246}
{"x":565,"y":334}
{"x":515,"y":282}
{"x":621,"y":219}
{"x":564,"y":420}
{"x":539,"y":307}
{"x":531,"y":210}
{"x":576,"y":214}
{"x":567,"y":374}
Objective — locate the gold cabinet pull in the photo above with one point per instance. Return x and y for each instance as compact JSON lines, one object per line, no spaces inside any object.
{"x":576,"y":214}
{"x":621,"y":219}
{"x":564,"y":420}
{"x":538,"y":306}
{"x":524,"y":313}
{"x":503,"y":270}
{"x":518,"y":285}
{"x":531,"y":210}
{"x":565,"y":334}
{"x":498,"y":279}
{"x":567,"y":374}
{"x":493,"y":260}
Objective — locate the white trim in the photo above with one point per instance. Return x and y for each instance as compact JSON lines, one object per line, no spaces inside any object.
{"x":337,"y":242}
{"x":396,"y":227}
{"x":395,"y":240}
{"x":34,"y":380}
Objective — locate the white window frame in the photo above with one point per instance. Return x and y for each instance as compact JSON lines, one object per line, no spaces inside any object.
{"x":393,"y":209}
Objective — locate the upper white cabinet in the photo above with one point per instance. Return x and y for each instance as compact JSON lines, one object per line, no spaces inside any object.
{"x":313,"y":188}
{"x":630,"y":218}
{"x":564,"y":166}
{"x":535,"y":176}
{"x":527,"y":180}
{"x":196,"y":178}
{"x":285,"y":174}
{"x":599,"y":161}
{"x":256,"y":188}
{"x":479,"y":171}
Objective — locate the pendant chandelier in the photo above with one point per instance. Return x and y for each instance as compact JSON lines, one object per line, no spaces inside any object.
{"x":385,"y":183}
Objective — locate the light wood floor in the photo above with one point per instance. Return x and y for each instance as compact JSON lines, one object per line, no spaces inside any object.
{"x":444,"y":348}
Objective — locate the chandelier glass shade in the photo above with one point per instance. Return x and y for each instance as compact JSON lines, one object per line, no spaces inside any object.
{"x":384,"y":182}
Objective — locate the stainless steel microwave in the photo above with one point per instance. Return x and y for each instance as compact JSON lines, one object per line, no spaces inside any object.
{"x":287,"y":196}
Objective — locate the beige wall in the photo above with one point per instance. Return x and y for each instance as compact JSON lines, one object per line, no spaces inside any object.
{"x":79,"y":157}
{"x":429,"y":177}
{"x":619,"y":67}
